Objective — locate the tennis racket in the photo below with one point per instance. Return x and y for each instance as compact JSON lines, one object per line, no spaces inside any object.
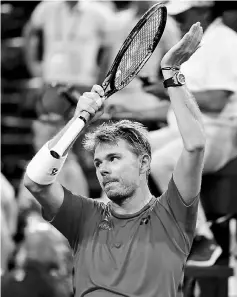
{"x":132,"y":56}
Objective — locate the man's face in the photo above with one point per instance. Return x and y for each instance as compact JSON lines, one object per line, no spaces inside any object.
{"x":117,"y":169}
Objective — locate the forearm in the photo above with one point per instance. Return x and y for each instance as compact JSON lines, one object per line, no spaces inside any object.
{"x":188,"y":116}
{"x":43,"y":169}
{"x":59,"y":135}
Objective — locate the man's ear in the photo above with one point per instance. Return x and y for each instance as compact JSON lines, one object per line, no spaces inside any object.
{"x":145,"y":161}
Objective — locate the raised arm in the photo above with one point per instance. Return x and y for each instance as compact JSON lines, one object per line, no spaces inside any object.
{"x":188,"y":171}
{"x":41,"y":173}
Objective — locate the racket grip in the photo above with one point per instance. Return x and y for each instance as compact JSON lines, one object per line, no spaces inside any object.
{"x":70,"y":135}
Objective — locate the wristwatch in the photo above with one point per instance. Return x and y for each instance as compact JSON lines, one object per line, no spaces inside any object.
{"x":178,"y":79}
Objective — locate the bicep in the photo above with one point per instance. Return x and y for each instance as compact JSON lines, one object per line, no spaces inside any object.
{"x":188,"y":174}
{"x":179,"y":218}
{"x":50,"y":196}
{"x":76,"y":216}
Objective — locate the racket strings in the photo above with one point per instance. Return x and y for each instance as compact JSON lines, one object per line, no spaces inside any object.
{"x":139,"y":50}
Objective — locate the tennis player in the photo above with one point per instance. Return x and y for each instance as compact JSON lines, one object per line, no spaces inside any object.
{"x":137,"y":244}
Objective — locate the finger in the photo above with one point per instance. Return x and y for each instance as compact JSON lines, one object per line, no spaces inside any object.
{"x":195,"y":34}
{"x":88,"y":109}
{"x":200,"y":34}
{"x":198,"y":30}
{"x":95,"y":99}
{"x":88,"y":100}
{"x":188,"y":37}
{"x":186,"y":41}
{"x":198,"y":39}
{"x":194,"y":28}
{"x":90,"y":95}
{"x":98,"y":115}
{"x":99,"y":102}
{"x":98,"y":89}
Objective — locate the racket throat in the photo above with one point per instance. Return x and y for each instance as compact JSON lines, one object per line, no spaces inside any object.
{"x":106,"y":85}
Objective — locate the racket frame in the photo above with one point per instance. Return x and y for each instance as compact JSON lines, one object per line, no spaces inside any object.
{"x":110,"y":77}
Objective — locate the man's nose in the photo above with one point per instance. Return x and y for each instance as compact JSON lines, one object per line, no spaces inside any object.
{"x":104,"y":169}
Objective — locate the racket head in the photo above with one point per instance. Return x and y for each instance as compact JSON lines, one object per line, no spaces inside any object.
{"x":136,"y":49}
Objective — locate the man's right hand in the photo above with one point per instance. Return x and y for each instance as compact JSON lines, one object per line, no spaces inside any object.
{"x":91,"y":102}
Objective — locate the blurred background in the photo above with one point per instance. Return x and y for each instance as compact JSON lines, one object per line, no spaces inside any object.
{"x":50,"y":46}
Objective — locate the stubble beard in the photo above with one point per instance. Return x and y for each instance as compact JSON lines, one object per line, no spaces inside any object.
{"x":119,"y":196}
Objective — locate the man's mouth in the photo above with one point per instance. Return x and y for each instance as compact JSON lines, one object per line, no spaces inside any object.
{"x":108,"y":182}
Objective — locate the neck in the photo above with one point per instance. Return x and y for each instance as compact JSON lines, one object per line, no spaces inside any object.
{"x":134,"y":203}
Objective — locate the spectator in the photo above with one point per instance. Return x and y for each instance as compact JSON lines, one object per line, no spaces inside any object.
{"x":42,"y":269}
{"x":7,"y":243}
{"x":9,"y":214}
{"x":8,"y":204}
{"x":72,"y":37}
{"x":211,"y":75}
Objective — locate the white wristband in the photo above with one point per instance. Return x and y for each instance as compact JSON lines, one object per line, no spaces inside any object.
{"x":44,"y":168}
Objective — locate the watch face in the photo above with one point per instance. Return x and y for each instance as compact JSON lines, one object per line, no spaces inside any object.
{"x":181,"y":78}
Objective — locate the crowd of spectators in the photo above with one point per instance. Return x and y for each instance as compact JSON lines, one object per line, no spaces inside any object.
{"x":73,"y":43}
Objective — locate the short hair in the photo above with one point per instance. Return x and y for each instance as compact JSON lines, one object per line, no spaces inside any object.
{"x":111,"y":132}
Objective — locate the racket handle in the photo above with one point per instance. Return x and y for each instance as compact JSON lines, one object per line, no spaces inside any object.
{"x":70,"y":135}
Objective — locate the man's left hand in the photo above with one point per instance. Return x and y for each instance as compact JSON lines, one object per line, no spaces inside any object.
{"x":185,"y":48}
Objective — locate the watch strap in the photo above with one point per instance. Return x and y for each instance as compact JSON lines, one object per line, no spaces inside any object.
{"x":172,"y":81}
{"x":173,"y":68}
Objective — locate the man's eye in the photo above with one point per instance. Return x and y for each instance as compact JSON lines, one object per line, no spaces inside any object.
{"x":113,"y":158}
{"x":97,"y":164}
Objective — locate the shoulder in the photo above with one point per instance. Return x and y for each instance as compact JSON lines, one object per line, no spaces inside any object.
{"x":44,"y":9}
{"x":49,"y":5}
{"x":87,"y":205}
{"x":98,"y":12}
{"x":218,"y":30}
{"x":172,"y":198}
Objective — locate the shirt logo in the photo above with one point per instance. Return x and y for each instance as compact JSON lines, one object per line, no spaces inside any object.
{"x":106,"y":224}
{"x":145,"y":220}
{"x":54,"y":171}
